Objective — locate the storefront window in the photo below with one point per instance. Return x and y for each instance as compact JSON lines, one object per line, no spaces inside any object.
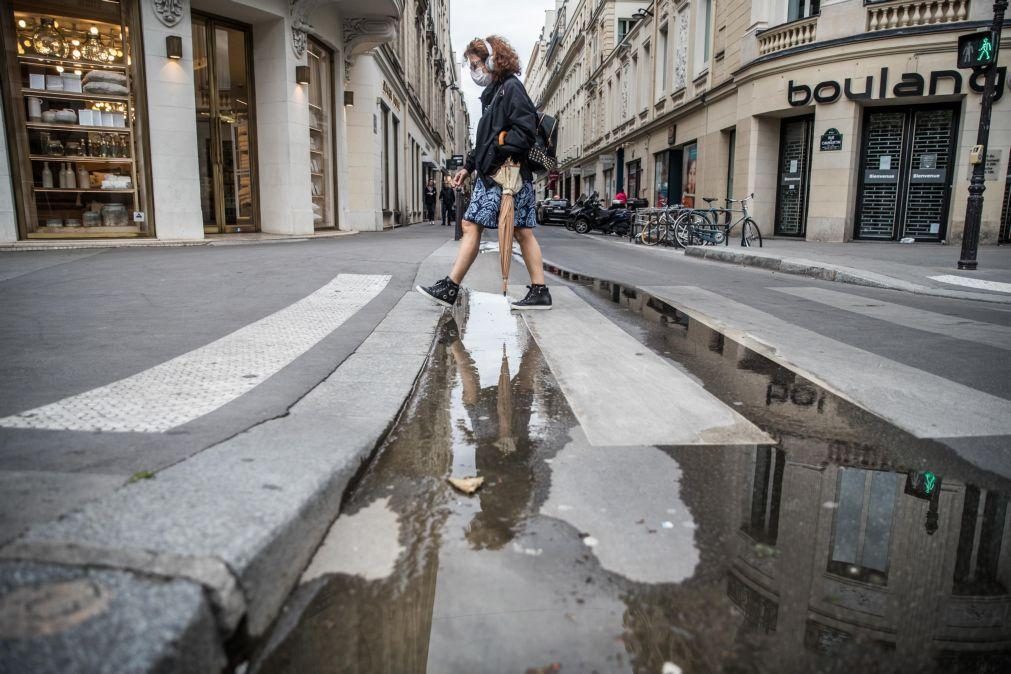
{"x":321,"y":116}
{"x":689,"y":174}
{"x":608,"y":185}
{"x":73,"y":93}
{"x":634,"y":179}
{"x":661,"y":178}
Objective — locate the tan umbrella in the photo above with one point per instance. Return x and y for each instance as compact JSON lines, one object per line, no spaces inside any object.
{"x":509,"y":179}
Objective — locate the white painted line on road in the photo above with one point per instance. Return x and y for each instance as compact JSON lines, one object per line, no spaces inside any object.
{"x":997,"y":336}
{"x":923,"y":404}
{"x":623,"y":393}
{"x":982,"y":284}
{"x":199,"y":382}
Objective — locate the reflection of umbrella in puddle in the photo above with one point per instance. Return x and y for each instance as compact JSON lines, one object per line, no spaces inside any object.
{"x":504,"y":405}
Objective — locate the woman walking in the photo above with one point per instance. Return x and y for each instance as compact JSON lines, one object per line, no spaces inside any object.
{"x":507,"y":130}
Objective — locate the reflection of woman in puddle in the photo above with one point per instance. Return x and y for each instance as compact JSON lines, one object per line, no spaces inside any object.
{"x":499,"y":428}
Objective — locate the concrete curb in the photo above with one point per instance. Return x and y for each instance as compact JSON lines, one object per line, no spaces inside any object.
{"x":239,"y":520}
{"x":826,"y":271}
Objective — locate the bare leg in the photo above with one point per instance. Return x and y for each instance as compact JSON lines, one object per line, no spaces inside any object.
{"x":469,"y":245}
{"x":531,"y":254}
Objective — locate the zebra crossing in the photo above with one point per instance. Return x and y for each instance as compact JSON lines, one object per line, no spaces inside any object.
{"x":196,"y":383}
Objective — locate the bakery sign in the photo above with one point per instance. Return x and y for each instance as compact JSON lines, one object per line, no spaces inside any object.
{"x":938,"y":82}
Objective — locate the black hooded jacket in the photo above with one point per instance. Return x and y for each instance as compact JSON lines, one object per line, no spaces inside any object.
{"x":505,"y":106}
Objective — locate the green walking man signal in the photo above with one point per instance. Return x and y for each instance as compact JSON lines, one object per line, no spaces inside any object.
{"x":976,"y":50}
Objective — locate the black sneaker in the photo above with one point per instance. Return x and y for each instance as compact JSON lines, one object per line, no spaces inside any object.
{"x":538,"y":299}
{"x":445,"y":292}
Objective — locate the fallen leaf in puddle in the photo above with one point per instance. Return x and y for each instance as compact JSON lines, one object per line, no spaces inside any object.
{"x":467,"y":485}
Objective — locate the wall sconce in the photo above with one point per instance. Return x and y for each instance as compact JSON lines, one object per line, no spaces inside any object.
{"x":173,"y":46}
{"x":349,"y":99}
{"x":302,"y":74}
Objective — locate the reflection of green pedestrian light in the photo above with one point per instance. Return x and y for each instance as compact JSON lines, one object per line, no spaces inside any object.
{"x":985,"y":52}
{"x":929,"y":482}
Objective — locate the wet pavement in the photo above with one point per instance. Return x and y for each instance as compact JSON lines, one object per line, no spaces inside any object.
{"x":847,"y":545}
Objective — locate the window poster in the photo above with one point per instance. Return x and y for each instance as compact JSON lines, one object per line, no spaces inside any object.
{"x":689,"y":174}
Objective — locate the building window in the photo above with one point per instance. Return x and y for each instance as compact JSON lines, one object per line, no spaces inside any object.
{"x":663,"y":65}
{"x":766,"y":491}
{"x":608,"y":185}
{"x":862,"y":531}
{"x":386,"y":156}
{"x":396,"y":163}
{"x":984,"y":517}
{"x":634,"y":170}
{"x":803,"y":9}
{"x":704,"y":29}
{"x":624,"y":25}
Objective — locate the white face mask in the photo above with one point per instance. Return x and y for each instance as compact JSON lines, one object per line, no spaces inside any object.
{"x":482,"y":78}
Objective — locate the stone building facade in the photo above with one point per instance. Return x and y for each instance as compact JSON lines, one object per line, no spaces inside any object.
{"x":848,"y":119}
{"x":190,"y":118}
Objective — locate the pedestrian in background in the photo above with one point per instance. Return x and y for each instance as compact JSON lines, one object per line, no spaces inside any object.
{"x":507,"y":130}
{"x":448,"y":198}
{"x":430,"y":200}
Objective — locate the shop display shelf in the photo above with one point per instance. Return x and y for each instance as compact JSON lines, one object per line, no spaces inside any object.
{"x":82,"y":160}
{"x":79,"y":128}
{"x":313,"y":173}
{"x":74,"y":96}
{"x":92,"y":190}
{"x":30,"y":59}
{"x":315,"y":107}
{"x":315,"y":151}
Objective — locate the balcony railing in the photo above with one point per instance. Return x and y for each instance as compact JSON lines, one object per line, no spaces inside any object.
{"x":907,"y":13}
{"x":788,"y":35}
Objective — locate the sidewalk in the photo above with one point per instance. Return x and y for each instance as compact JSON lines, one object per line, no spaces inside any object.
{"x":921,"y":268}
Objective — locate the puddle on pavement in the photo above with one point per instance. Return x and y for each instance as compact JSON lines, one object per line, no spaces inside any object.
{"x":847,"y":545}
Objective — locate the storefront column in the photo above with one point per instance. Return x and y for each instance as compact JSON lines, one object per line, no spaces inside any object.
{"x":364,"y":143}
{"x":282,"y":132}
{"x":833,"y":185}
{"x":8,"y":218}
{"x":171,"y":114}
{"x":757,"y":163}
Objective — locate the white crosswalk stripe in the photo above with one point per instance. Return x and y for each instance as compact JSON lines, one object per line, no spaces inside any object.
{"x":199,"y":382}
{"x":624,"y":394}
{"x":968,"y":282}
{"x":923,"y":404}
{"x":997,"y":336}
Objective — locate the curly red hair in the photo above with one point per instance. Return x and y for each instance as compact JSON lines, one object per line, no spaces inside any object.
{"x":507,"y":61}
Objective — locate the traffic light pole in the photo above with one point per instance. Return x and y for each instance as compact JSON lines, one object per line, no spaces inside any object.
{"x":977,"y":184}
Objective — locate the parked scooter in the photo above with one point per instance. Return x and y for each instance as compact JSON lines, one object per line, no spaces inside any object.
{"x":592,"y":216}
{"x":575,"y":212}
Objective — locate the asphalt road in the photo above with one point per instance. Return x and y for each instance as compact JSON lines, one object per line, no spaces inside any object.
{"x":77,"y":320}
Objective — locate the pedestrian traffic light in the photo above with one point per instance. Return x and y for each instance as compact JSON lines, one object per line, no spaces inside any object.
{"x":922,"y":484}
{"x":977,"y":50}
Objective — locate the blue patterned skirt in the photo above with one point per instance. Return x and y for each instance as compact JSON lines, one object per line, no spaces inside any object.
{"x":485,"y":203}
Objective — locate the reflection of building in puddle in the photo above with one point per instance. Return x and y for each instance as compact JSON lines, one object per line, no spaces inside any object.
{"x":835,"y":558}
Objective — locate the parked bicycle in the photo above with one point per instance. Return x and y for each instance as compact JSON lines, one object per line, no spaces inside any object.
{"x":702,"y":226}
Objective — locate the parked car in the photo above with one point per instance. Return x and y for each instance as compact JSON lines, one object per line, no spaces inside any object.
{"x":553,"y":211}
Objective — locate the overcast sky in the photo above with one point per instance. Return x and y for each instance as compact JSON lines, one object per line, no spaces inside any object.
{"x":518,"y":21}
